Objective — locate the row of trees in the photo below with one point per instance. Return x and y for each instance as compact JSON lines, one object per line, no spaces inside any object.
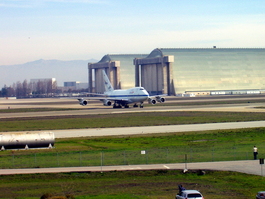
{"x":42,"y":88}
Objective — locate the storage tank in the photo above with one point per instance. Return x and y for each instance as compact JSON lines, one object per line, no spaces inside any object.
{"x":26,"y":140}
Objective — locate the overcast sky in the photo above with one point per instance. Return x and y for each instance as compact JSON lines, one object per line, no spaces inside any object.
{"x":85,"y":29}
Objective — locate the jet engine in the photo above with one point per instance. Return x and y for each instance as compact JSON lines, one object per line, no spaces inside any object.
{"x":151,"y":101}
{"x":161,"y":99}
{"x":107,"y":103}
{"x":82,"y":102}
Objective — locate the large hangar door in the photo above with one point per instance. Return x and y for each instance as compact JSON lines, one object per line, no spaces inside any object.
{"x":155,"y":74}
{"x":152,"y":78}
{"x":112,"y":69}
{"x":99,"y":85}
{"x":160,"y":79}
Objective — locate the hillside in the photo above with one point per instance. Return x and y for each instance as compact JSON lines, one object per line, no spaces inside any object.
{"x":75,"y":70}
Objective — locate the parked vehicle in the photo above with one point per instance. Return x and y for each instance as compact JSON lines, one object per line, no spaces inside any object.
{"x":189,"y":194}
{"x":260,"y":195}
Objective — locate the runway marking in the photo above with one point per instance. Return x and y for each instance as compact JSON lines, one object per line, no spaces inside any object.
{"x":135,"y":168}
{"x":166,"y":167}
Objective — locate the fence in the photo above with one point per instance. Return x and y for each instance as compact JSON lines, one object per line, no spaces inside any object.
{"x":133,"y":157}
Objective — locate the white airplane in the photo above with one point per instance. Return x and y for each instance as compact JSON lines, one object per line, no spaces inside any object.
{"x":122,"y":98}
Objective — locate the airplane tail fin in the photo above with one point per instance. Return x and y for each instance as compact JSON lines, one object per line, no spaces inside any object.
{"x":107,"y":84}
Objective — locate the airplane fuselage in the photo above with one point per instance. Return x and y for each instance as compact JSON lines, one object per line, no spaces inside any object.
{"x":132,"y":95}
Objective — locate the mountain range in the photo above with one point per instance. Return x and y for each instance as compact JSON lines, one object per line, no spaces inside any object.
{"x":63,"y":71}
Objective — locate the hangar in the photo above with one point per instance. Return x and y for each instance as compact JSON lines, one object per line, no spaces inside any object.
{"x":189,"y":70}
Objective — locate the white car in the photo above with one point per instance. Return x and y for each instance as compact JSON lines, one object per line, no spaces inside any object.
{"x":190,"y":194}
{"x":260,"y":195}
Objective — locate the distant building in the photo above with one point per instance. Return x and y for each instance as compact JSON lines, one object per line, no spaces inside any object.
{"x":202,"y":70}
{"x":75,"y":85}
{"x":70,"y":84}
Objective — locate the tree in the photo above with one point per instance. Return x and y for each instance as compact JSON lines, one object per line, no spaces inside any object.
{"x":25,"y":87}
{"x":19,"y":90}
{"x":38,"y":89}
{"x":8,"y":92}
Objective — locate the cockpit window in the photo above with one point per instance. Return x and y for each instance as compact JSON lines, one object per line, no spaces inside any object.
{"x":141,"y":89}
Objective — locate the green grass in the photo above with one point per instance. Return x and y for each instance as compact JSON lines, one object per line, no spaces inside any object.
{"x":124,"y":120}
{"x":131,"y":184}
{"x":205,"y":146}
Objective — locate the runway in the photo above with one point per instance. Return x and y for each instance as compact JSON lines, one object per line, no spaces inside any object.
{"x":155,"y":129}
{"x":96,"y":107}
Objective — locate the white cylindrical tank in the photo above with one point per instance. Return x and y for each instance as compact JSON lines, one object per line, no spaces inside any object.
{"x":26,"y":140}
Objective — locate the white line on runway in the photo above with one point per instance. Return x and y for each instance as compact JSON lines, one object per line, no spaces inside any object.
{"x":166,"y":167}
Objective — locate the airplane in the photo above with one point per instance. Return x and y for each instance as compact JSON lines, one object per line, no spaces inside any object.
{"x":122,"y":98}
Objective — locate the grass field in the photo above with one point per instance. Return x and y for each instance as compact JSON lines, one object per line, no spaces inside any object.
{"x":207,"y":146}
{"x":158,"y":184}
{"x":124,"y":120}
{"x":138,"y":184}
{"x":141,"y":184}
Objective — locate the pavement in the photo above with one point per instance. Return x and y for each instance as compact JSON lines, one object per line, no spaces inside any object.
{"x":94,"y":132}
{"x":68,"y":133}
{"x":243,"y":166}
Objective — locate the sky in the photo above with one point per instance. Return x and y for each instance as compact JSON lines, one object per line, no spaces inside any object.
{"x":89,"y":29}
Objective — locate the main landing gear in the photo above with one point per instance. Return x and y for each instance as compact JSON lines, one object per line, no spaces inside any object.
{"x":116,"y":105}
{"x":141,"y":105}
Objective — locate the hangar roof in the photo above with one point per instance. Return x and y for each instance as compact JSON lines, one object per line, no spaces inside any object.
{"x":124,"y":58}
{"x":159,"y":52}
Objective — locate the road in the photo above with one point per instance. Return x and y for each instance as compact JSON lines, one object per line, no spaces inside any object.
{"x":245,"y":166}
